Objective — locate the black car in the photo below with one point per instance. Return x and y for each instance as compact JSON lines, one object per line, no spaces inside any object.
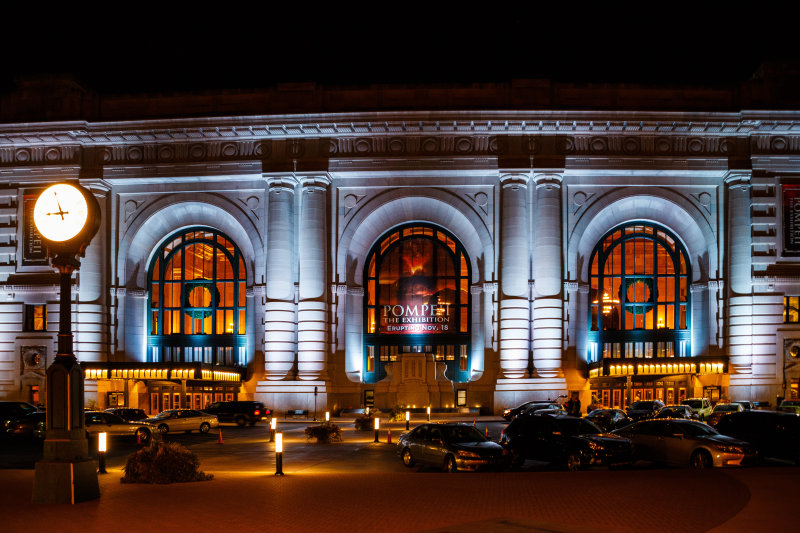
{"x":242,"y":412}
{"x":677,"y":411}
{"x":529,"y":407}
{"x":771,"y":433}
{"x":452,"y":447}
{"x":11,"y":411}
{"x":563,"y":440}
{"x":31,"y":425}
{"x":643,"y":410}
{"x":609,"y":419}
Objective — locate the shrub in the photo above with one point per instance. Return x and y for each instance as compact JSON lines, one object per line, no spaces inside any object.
{"x":398,"y":414}
{"x":364,"y":423}
{"x":324,"y":433}
{"x":163,"y":462}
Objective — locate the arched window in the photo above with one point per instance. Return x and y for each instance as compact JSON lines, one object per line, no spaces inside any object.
{"x":639,"y":294}
{"x":417,"y":300}
{"x":197,"y":300}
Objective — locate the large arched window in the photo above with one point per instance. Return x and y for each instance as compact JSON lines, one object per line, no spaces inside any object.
{"x":197,"y":300}
{"x":417,"y":300}
{"x":639,"y":294}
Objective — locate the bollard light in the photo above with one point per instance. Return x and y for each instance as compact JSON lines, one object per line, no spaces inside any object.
{"x":279,"y":454}
{"x":273,"y":425}
{"x":429,"y":413}
{"x":377,"y":427}
{"x":408,"y":419}
{"x":327,"y":416}
{"x":366,"y":411}
{"x":101,"y":448}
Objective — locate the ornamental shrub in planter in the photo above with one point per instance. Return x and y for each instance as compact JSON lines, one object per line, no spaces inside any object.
{"x":364,"y":423}
{"x":324,"y":433}
{"x":163,"y":462}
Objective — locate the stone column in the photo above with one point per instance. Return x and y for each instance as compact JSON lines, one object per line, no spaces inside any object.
{"x":90,"y":323}
{"x":514,"y":275}
{"x":740,"y":300}
{"x":279,"y":312}
{"x":477,"y":337}
{"x":312,"y":306}
{"x":354,"y":333}
{"x":699,"y":319}
{"x":547,"y":273}
{"x":135,"y":302}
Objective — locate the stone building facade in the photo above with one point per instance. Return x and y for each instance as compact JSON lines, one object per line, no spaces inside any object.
{"x":475,"y":258}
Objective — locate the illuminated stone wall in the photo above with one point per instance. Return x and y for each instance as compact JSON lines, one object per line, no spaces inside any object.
{"x":305,"y":198}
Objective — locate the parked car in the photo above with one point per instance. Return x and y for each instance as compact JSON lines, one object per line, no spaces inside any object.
{"x":790,"y":406}
{"x":526,"y":407}
{"x":700,"y":406}
{"x":452,"y":447}
{"x":563,"y":440}
{"x":772,"y":434}
{"x":13,"y":411}
{"x":643,"y":410}
{"x":32,"y":425}
{"x":682,"y":442}
{"x":242,"y":412}
{"x":609,"y":419}
{"x":722,"y":409}
{"x":114,"y":426}
{"x":128,"y":413}
{"x":677,"y":411}
{"x":746,"y":405}
{"x":182,"y":420}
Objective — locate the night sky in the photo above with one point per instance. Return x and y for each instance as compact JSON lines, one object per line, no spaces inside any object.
{"x":163,"y":47}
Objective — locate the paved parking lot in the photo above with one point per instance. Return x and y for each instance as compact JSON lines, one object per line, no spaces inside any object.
{"x":359,"y":485}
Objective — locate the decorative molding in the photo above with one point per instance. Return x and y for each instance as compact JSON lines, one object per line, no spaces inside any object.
{"x":338,"y":288}
{"x":490,"y":287}
{"x":355,"y":290}
{"x":137,"y":293}
{"x":475,"y":289}
{"x":583,"y":288}
{"x":698,"y":287}
{"x":571,"y":286}
{"x":259,"y":290}
{"x":34,"y":289}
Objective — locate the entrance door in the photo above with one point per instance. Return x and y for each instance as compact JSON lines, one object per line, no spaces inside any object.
{"x":617,"y":395}
{"x":606,"y":398}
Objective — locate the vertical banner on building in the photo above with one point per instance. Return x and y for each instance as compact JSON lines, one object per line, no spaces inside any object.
{"x":33,"y":249}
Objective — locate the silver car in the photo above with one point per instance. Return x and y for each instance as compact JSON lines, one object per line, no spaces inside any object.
{"x":182,"y":420}
{"x":681,"y":442}
{"x":100,"y":422}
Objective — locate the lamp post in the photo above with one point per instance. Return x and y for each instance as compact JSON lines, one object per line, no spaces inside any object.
{"x":327,"y":416}
{"x":273,"y":425}
{"x":429,"y":413}
{"x":279,"y":454}
{"x":67,"y":216}
{"x":101,"y":449}
{"x":408,"y":419}
{"x":377,"y":427}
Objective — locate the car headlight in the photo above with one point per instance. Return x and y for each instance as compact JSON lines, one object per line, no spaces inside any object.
{"x":731,"y":449}
{"x":467,"y":455}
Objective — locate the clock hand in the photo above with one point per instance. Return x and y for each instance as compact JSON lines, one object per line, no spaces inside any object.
{"x":60,"y":210}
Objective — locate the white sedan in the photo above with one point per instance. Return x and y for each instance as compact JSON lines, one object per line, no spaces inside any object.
{"x":182,"y":420}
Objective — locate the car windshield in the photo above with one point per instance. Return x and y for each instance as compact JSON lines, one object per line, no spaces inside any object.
{"x":457,"y":434}
{"x":726,"y":408}
{"x":642,"y":406}
{"x":570,"y":427}
{"x":694,"y":404}
{"x":696,"y":429}
{"x":165,"y":414}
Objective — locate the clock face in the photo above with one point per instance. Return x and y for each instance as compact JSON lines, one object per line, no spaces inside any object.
{"x":60,"y":212}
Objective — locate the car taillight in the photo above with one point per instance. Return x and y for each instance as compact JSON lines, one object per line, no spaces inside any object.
{"x":267,"y":412}
{"x":257,"y":412}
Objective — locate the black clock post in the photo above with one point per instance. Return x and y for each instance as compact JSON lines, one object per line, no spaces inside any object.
{"x":66,"y":474}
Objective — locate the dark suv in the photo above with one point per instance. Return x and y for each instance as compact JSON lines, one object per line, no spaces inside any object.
{"x":242,"y":412}
{"x":773,"y":434}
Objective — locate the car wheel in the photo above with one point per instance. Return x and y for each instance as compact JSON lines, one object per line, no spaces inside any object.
{"x":701,"y":460}
{"x":408,"y":459}
{"x":163,"y":429}
{"x":450,"y":465}
{"x":517,"y":459}
{"x":241,"y":421}
{"x":574,"y":462}
{"x":204,"y":427}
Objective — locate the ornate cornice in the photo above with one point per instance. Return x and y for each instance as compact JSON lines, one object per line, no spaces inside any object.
{"x":387,"y":135}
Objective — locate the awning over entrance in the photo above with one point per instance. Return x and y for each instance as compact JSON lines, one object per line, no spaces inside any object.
{"x":162,"y":371}
{"x":657,"y":368}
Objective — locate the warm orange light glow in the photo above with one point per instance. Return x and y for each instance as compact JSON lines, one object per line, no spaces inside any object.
{"x":608,"y":303}
{"x":278,"y":442}
{"x":273,"y":423}
{"x":102,"y":442}
{"x":377,"y":423}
